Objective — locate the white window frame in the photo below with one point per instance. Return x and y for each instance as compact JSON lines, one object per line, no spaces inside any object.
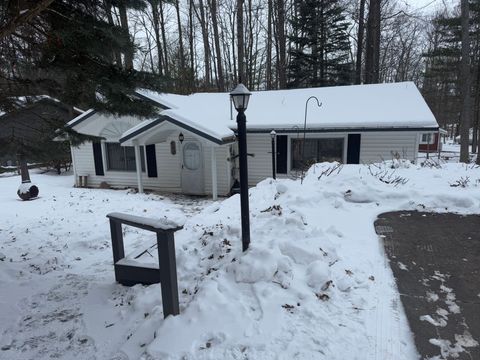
{"x":431,"y":137}
{"x":105,"y":159}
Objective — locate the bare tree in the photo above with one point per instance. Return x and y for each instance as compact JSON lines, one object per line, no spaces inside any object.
{"x":240,"y":43}
{"x":218,"y":50}
{"x":128,"y":54}
{"x":361,"y":31}
{"x":269,"y":46}
{"x":372,"y":58}
{"x":466,"y":84}
{"x":282,"y":44}
{"x":156,"y":29}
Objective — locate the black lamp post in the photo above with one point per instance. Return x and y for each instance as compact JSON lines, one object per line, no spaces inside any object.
{"x":240,"y":96}
{"x":273,"y":134}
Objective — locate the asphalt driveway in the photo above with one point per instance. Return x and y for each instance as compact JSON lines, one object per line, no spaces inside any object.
{"x":435,"y":259}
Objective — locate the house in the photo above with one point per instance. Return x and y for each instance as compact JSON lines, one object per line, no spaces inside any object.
{"x":430,"y":142}
{"x":190,"y":147}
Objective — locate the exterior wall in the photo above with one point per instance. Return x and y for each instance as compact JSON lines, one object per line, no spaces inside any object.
{"x":377,"y":146}
{"x":168,"y":168}
{"x":224,"y":178}
{"x":260,"y":165}
{"x":433,"y":147}
{"x":374,"y":147}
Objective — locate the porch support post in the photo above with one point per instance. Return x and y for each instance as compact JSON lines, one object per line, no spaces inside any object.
{"x":138,"y":164}
{"x":214,"y":175}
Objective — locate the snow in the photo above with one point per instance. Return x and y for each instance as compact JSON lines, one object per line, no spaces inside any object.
{"x":359,"y":106}
{"x":75,"y":120}
{"x":315,"y":282}
{"x":25,"y":187}
{"x":162,"y":223}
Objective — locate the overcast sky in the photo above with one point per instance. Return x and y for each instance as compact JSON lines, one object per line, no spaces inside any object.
{"x":430,"y":5}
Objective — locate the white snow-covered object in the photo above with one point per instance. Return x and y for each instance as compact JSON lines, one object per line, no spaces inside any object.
{"x":162,"y":223}
{"x":27,"y":191}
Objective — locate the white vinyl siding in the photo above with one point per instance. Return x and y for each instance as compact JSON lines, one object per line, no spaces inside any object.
{"x":168,"y":169}
{"x":374,"y":147}
{"x":222,"y":154}
{"x":378,"y":146}
{"x":260,"y":165}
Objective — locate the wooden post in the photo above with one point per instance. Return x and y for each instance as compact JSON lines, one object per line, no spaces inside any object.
{"x":129,"y":273}
{"x":168,"y":272}
{"x":214,"y":175}
{"x":138,"y":164}
{"x":117,"y":240}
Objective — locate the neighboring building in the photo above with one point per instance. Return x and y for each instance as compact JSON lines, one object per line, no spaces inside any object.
{"x":431,"y":142}
{"x":30,"y":127}
{"x":190,"y":147}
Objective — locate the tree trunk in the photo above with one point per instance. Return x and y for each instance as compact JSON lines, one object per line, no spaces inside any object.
{"x":361,"y":25}
{"x":108,"y":11}
{"x":268,"y":74}
{"x":164,"y":40}
{"x":156,"y":28}
{"x":240,"y":43}
{"x":372,"y":58}
{"x":191,"y":46}
{"x":206,"y":44}
{"x":23,"y":167}
{"x":282,"y":63}
{"x":218,"y":50}
{"x":180,"y":42}
{"x":465,"y":116}
{"x":124,"y":23}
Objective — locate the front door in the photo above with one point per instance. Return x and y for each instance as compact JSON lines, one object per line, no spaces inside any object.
{"x":192,"y":169}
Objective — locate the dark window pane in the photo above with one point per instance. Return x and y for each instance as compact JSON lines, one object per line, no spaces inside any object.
{"x":330,"y":150}
{"x":130,"y":158}
{"x":115,"y":156}
{"x":315,"y":150}
{"x":123,"y":157}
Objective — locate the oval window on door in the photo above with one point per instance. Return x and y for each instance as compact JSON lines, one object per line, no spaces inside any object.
{"x":191,"y":156}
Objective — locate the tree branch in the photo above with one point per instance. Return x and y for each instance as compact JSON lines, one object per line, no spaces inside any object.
{"x":23,"y":18}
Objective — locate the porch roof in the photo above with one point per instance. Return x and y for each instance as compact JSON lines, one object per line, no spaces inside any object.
{"x":157,"y":130}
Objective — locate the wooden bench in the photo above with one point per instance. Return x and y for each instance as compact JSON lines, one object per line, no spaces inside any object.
{"x":129,"y":272}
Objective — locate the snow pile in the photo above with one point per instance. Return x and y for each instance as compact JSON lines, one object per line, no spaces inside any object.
{"x":313,"y":284}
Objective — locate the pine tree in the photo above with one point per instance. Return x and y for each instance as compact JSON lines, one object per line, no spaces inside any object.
{"x":70,"y":51}
{"x":320,"y":45}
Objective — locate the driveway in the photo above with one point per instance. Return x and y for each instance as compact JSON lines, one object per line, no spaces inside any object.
{"x":435,"y":259}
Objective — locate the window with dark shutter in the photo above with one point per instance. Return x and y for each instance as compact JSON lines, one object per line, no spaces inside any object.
{"x":97,"y":158}
{"x":151,"y":160}
{"x":122,"y":158}
{"x":353,"y":150}
{"x":282,"y":149}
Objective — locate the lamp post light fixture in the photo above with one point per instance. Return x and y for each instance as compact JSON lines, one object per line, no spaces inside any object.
{"x":240,"y":96}
{"x":273,"y":134}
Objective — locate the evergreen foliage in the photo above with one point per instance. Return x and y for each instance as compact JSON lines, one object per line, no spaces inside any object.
{"x":68,"y":52}
{"x":441,"y":87}
{"x":320,"y":45}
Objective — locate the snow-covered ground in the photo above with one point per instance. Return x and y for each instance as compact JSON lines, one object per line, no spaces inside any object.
{"x":315,"y":283}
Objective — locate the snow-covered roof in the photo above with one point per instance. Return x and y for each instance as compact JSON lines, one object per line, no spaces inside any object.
{"x":378,"y":106}
{"x":83,"y":116}
{"x":343,"y":108}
